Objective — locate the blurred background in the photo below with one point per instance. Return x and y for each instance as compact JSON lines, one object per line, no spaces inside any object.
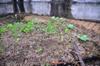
{"x":78,"y":9}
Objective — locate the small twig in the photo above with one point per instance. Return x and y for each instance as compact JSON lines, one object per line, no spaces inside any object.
{"x":75,"y":47}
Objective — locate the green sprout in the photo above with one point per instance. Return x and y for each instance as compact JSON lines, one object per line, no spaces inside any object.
{"x":39,"y":50}
{"x":47,"y":64}
{"x":84,"y":38}
{"x":10,"y":26}
{"x":66,"y":30}
{"x":2,"y":29}
{"x":50,"y":28}
{"x":55,"y":18}
{"x":28,"y":27}
{"x":71,"y":26}
{"x":1,"y":48}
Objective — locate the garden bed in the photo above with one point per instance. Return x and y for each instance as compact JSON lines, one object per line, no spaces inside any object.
{"x":54,"y":42}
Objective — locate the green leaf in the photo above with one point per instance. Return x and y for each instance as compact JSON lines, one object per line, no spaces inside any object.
{"x":1,"y":50}
{"x":2,"y":29}
{"x":66,"y":30}
{"x":17,"y":39}
{"x":39,"y":50}
{"x":53,"y":17}
{"x":47,"y":64}
{"x":84,"y":38}
{"x":9,"y":26}
{"x":50,"y":28}
{"x":71,"y":26}
{"x":57,"y":18}
{"x":29,"y":26}
{"x":26,"y":30}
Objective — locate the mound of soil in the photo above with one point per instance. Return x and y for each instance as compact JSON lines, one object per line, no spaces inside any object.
{"x":40,"y":48}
